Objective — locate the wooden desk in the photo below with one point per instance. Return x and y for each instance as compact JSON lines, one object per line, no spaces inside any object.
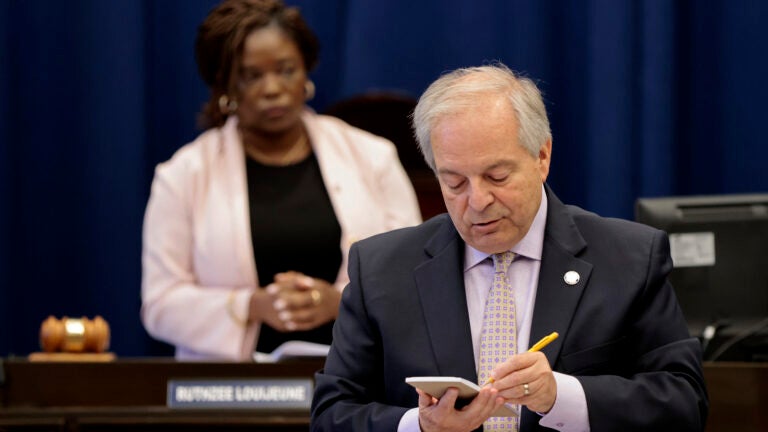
{"x":130,"y":395}
{"x":738,"y":396}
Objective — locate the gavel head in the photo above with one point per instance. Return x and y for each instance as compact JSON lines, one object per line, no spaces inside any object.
{"x":74,"y":335}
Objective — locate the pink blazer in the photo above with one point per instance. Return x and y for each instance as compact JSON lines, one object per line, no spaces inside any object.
{"x":197,"y":249}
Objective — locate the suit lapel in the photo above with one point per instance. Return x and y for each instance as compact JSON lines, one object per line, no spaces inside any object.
{"x":556,"y":299}
{"x":232,"y":170}
{"x":440,"y":287}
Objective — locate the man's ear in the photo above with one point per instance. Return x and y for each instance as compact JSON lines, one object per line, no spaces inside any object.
{"x":545,"y":157}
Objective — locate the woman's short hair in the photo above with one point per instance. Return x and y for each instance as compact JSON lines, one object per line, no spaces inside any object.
{"x":221,"y":37}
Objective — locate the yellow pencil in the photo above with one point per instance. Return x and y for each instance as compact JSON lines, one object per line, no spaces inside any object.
{"x":539,"y":345}
{"x":544,"y":342}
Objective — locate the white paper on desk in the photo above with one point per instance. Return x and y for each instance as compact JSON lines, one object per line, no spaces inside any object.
{"x":292,"y":349}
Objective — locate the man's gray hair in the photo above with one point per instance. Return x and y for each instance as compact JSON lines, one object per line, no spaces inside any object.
{"x":452,"y":94}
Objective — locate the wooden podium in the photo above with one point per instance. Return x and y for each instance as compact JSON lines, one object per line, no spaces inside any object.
{"x":131,"y":395}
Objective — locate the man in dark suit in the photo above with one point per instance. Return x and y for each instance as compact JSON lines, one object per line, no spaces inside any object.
{"x":417,"y":297}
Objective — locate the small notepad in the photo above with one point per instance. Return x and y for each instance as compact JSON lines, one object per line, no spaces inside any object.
{"x":436,"y":386}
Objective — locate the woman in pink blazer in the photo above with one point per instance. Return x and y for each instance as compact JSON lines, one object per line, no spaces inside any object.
{"x":248,"y":228}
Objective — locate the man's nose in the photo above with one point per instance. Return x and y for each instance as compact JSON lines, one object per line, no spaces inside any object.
{"x":480,"y":196}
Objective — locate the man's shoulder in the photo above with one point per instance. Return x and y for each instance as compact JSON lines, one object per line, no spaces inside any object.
{"x":590,"y":221}
{"x":609,"y":233}
{"x":571,"y":222}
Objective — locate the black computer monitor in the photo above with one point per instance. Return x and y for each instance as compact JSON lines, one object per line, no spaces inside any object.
{"x":719,"y":246}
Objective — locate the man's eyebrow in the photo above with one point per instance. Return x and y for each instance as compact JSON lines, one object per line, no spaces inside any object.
{"x":502,"y":163}
{"x":446,"y":171}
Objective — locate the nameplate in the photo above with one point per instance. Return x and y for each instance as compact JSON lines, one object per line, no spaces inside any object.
{"x":268,"y":394}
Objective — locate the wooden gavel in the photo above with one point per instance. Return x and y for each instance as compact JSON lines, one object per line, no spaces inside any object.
{"x":74,"y":335}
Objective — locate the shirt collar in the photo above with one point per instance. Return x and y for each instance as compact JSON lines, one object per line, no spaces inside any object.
{"x":530,"y":246}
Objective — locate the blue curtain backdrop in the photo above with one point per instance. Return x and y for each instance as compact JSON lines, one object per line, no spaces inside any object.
{"x":646,"y":98}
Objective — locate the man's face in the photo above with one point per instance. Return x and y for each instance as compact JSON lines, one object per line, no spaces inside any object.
{"x":490,"y":183}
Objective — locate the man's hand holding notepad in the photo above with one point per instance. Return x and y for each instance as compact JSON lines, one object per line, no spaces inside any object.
{"x":436,"y":386}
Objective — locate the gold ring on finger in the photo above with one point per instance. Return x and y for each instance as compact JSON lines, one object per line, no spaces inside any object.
{"x":316,"y":297}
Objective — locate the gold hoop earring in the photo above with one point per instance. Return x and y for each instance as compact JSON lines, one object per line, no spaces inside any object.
{"x":309,"y":90}
{"x":227,"y":106}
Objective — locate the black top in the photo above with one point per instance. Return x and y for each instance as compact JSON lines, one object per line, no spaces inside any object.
{"x":293,"y":227}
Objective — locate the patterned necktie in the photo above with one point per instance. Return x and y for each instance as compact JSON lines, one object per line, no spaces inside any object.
{"x":498,"y":340}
